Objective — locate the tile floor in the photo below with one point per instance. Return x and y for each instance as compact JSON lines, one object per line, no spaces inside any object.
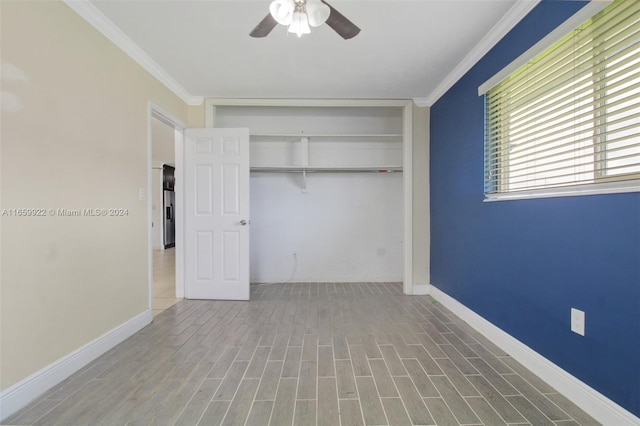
{"x":305,"y":354}
{"x":164,"y":279}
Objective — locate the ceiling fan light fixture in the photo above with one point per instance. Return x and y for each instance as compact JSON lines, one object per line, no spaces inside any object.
{"x":317,"y":12}
{"x":282,"y":11}
{"x":297,"y":15}
{"x":299,"y":24}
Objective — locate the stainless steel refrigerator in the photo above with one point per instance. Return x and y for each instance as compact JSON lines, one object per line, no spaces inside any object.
{"x":169,"y":219}
{"x":169,"y":203}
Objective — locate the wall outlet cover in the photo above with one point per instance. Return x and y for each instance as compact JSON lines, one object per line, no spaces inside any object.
{"x":577,"y":321}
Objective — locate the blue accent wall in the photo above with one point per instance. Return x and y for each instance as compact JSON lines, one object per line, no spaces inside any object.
{"x":523,"y":264}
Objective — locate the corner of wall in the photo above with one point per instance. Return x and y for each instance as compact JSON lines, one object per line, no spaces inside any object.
{"x":421,"y":196}
{"x":421,"y":289}
{"x":22,"y":393}
{"x":196,"y":115}
{"x":601,"y":408}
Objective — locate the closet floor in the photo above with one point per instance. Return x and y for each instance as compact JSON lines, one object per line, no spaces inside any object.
{"x":305,"y":354}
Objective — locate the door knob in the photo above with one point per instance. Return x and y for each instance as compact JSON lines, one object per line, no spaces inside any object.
{"x":244,"y":222}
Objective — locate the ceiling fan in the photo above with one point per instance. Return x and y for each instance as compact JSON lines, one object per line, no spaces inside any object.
{"x":299,"y":15}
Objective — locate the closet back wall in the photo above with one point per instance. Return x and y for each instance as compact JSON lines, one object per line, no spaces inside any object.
{"x":347,"y":227}
{"x":338,"y":227}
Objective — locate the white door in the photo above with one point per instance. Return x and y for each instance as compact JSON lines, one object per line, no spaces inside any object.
{"x":216,"y":238}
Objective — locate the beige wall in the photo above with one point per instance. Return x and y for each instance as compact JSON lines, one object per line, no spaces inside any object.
{"x":73,"y":136}
{"x":163,"y":147}
{"x":421,"y":230}
{"x":197,"y":116}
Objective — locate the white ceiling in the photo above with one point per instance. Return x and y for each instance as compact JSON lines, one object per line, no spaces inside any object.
{"x":405,"y":50}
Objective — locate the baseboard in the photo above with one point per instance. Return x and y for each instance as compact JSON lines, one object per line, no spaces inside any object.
{"x":420,"y":289}
{"x":588,"y":399}
{"x":315,"y":280}
{"x":22,"y":393}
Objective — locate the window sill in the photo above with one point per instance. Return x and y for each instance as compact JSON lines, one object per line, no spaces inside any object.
{"x":568,"y":191}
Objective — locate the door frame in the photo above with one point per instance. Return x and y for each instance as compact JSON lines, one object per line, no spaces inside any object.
{"x":156,"y":111}
{"x":408,"y":285}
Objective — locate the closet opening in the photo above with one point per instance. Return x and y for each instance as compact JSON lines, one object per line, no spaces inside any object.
{"x":328,"y":189}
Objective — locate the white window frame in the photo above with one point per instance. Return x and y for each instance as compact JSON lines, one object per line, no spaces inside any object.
{"x":565,"y":28}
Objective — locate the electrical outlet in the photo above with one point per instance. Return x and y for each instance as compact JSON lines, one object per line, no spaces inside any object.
{"x":577,"y":321}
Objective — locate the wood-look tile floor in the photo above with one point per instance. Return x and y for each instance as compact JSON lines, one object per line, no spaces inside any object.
{"x":305,"y":354}
{"x":164,"y":280}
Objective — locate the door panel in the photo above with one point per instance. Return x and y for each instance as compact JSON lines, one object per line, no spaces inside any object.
{"x":231,"y":193}
{"x":203,"y":189}
{"x":231,"y":244}
{"x":217,"y":214}
{"x":205,"y":250}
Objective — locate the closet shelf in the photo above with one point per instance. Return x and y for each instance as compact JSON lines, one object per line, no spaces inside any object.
{"x":314,"y":169}
{"x":311,"y":169}
{"x":257,"y":137}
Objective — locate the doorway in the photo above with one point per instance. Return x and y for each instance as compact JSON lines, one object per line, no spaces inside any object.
{"x":164,"y":286}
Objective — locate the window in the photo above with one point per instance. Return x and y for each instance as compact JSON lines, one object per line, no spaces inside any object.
{"x":570,"y":117}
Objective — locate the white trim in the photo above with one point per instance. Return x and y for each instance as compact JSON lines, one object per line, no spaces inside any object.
{"x":407,"y":178}
{"x":166,"y":117}
{"x":101,"y":23}
{"x":514,"y":15}
{"x":422,"y":102}
{"x":569,"y":191}
{"x":22,"y":393}
{"x":209,"y":114}
{"x":588,"y":399}
{"x":212,"y":102}
{"x":562,"y":30}
{"x":180,"y":190}
{"x":421,"y":289}
{"x":150,"y":196}
{"x":170,"y":120}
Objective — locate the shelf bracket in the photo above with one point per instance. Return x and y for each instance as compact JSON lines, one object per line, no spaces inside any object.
{"x":304,"y":181}
{"x":304,"y":151}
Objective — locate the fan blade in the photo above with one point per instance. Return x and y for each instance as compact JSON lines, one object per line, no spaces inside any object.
{"x":264,"y":27}
{"x":344,"y":27}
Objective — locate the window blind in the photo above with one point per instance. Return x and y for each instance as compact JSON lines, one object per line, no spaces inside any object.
{"x":571,"y":115}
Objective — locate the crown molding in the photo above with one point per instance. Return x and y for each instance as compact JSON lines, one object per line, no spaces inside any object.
{"x":514,"y":15}
{"x":577,"y":19}
{"x":422,"y":102}
{"x":101,"y":23}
